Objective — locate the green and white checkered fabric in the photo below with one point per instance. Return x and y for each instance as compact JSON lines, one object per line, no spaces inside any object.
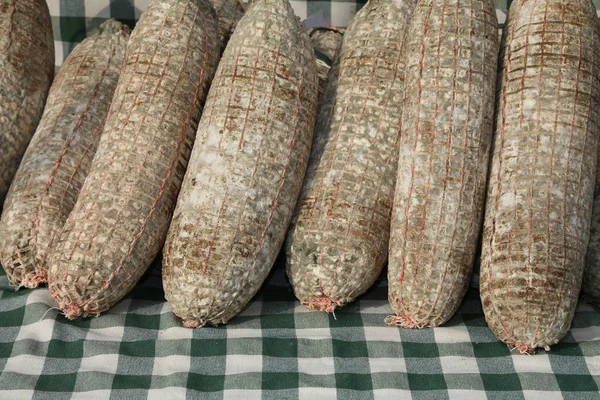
{"x":278,"y":350}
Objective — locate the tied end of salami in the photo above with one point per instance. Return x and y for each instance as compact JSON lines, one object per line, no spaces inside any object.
{"x":34,"y":279}
{"x":528,"y":349}
{"x":324,"y":303}
{"x":21,"y":270}
{"x":71,"y":311}
{"x":72,"y":308}
{"x":192,"y":324}
{"x":404,"y":321}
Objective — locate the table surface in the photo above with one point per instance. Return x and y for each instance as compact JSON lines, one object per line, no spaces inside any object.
{"x":276,"y":348}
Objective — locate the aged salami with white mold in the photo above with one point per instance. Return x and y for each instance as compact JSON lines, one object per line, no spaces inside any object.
{"x":246,"y":169}
{"x":591,"y":276}
{"x":451,"y":55}
{"x":60,"y":154}
{"x":338,"y":241}
{"x":541,"y":186}
{"x":326,"y":42}
{"x":229,"y":13}
{"x":122,"y":215}
{"x":27,"y":65}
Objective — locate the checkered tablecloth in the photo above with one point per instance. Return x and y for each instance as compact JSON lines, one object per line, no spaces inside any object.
{"x":276,"y":348}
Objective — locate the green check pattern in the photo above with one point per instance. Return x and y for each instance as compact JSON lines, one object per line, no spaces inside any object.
{"x":276,"y":349}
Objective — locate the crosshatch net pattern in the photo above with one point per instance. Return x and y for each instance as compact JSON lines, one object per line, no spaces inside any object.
{"x":139,"y":350}
{"x":337,"y":244}
{"x":123,"y":211}
{"x":447,"y":125}
{"x":248,"y":163}
{"x":541,"y":183}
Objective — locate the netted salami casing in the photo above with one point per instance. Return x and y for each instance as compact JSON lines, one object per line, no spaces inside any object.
{"x":338,"y":241}
{"x":27,"y":65}
{"x":246,"y":169}
{"x":591,"y":276}
{"x":122,"y":215}
{"x":451,"y":55}
{"x":326,"y":42}
{"x":60,"y":154}
{"x":229,"y":13}
{"x":541,"y":183}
